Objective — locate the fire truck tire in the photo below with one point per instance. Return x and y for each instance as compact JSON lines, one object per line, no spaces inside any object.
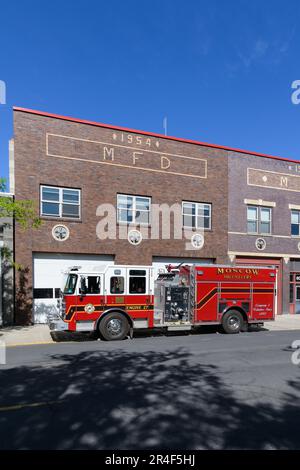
{"x":232,"y":322}
{"x":113,"y":326}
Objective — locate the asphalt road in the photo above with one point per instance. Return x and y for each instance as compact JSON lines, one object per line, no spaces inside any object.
{"x":201,"y":391}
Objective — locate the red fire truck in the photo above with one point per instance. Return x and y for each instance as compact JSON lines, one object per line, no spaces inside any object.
{"x":116,"y":300}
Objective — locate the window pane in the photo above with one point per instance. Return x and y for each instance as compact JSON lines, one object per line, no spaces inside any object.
{"x":295,"y":217}
{"x":137,"y":272}
{"x":93,"y":285}
{"x":50,"y":208}
{"x":69,"y":210}
{"x":265,"y":215}
{"x":206,"y":222}
{"x":200,"y":222}
{"x":125,"y":202}
{"x":117,"y":285}
{"x":251,"y":213}
{"x":189,"y":221}
{"x":252,"y":227}
{"x":43,"y":293}
{"x":125,"y":216}
{"x":50,"y":194}
{"x":142,"y":217}
{"x":265,"y":227}
{"x":189,"y":208}
{"x":295,"y":229}
{"x":137,"y":285}
{"x":142,"y":203}
{"x":291,"y":293}
{"x":70,"y":284}
{"x":70,"y":195}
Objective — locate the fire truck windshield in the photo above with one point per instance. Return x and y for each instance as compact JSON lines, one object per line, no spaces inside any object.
{"x":70,"y":284}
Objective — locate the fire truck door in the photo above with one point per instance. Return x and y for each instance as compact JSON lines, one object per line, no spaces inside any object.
{"x":115,"y":286}
{"x":90,"y":292}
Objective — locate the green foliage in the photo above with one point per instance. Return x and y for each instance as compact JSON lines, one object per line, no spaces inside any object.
{"x":23,"y":212}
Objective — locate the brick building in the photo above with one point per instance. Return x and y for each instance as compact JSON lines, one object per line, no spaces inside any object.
{"x":71,"y":167}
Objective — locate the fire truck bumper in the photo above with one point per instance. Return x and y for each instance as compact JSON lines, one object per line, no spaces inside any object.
{"x":58,"y":325}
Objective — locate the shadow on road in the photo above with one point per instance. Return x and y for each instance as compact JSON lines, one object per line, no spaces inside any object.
{"x":114,"y":399}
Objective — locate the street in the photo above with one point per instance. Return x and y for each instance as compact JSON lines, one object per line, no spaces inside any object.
{"x":198,"y":391}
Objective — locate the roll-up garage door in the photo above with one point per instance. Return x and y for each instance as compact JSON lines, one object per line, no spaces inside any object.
{"x":48,"y":269}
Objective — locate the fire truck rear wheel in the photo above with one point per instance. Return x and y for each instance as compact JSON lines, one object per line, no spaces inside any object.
{"x":232,"y":322}
{"x":113,"y":326}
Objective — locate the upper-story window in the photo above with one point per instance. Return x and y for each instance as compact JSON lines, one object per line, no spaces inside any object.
{"x":295,"y":223}
{"x":133,"y":209}
{"x":60,"y":202}
{"x":259,"y":220}
{"x":196,"y":215}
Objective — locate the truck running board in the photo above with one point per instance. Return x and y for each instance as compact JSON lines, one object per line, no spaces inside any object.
{"x":179,"y":327}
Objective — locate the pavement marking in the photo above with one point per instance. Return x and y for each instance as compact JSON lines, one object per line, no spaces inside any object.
{"x":28,"y":405}
{"x":14,"y":345}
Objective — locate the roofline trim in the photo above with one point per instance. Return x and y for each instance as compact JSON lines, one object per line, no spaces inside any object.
{"x":151,"y":134}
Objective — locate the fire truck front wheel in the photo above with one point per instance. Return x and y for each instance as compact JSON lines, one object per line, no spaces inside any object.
{"x":232,"y":322}
{"x":114,"y":326}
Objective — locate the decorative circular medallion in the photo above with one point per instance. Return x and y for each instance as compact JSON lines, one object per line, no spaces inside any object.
{"x":89,"y":308}
{"x":134,"y":237}
{"x":197,"y":241}
{"x":260,"y":244}
{"x":60,"y":232}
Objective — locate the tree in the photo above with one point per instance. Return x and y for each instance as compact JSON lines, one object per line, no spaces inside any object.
{"x":22,"y":211}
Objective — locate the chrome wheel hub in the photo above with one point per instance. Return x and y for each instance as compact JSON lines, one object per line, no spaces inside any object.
{"x":234,"y":323}
{"x":114,"y":326}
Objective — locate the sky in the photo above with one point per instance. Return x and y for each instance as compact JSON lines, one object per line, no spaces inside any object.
{"x":220,"y":70}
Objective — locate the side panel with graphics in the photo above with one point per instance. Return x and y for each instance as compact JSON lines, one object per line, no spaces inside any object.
{"x":263,"y":301}
{"x":207,"y":301}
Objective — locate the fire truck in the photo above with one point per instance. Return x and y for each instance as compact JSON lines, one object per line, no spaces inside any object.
{"x":116,"y":300}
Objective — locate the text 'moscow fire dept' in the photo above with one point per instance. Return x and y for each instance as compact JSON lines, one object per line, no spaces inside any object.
{"x":226,"y":206}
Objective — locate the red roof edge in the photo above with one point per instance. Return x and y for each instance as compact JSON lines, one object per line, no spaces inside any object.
{"x":152,"y":134}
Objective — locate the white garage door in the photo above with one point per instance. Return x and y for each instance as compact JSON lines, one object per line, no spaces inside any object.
{"x":160,"y":262}
{"x":48,"y":269}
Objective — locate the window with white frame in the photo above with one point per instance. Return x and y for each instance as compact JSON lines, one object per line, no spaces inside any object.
{"x":196,"y":215}
{"x":133,"y":209}
{"x":60,"y":202}
{"x":259,"y":220}
{"x":295,"y":223}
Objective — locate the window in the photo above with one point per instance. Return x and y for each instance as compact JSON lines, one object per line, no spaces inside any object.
{"x":137,"y":281}
{"x":117,"y":285}
{"x":133,"y":209}
{"x":196,"y":215}
{"x":295,"y":223}
{"x":259,"y":220}
{"x":70,"y":284}
{"x":90,"y":284}
{"x":43,"y":293}
{"x":60,"y":202}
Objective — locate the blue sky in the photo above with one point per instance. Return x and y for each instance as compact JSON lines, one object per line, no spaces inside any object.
{"x":220,"y":70}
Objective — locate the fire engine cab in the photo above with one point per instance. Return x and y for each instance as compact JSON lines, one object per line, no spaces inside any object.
{"x":116,"y":300}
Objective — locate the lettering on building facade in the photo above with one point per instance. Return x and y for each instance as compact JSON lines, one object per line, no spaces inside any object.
{"x":273,"y":180}
{"x":124,"y":155}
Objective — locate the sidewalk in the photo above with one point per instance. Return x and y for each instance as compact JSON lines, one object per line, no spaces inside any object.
{"x":21,"y":335}
{"x":40,"y":334}
{"x":284,"y":322}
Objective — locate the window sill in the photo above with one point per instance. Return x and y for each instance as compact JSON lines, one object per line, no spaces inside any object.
{"x":60,"y":219}
{"x":260,"y":234}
